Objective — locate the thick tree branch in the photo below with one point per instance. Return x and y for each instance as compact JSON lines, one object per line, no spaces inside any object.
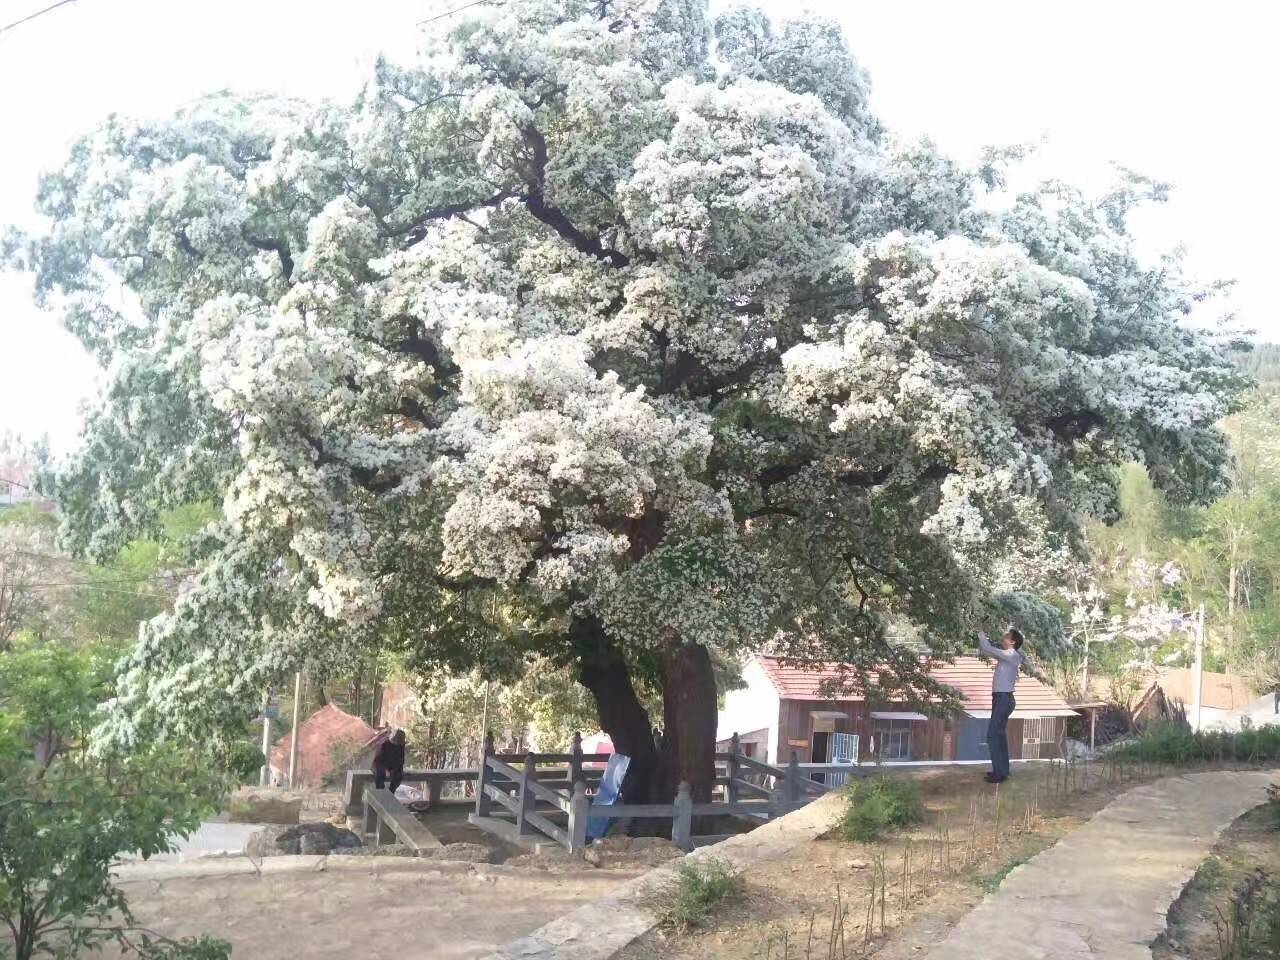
{"x":415,"y":230}
{"x":1075,"y":424}
{"x":536,"y":203}
{"x":365,"y":477}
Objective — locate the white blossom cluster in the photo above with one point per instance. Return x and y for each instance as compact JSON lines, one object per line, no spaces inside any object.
{"x":592,"y":312}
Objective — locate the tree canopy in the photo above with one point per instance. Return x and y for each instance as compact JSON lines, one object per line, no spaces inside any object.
{"x":608,"y":332}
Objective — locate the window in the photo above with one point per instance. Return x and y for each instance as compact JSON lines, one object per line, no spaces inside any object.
{"x":893,"y":739}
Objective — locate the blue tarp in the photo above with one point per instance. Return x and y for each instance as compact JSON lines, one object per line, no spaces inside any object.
{"x":608,"y":794}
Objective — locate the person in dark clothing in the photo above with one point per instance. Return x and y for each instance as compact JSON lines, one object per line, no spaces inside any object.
{"x":388,"y":762}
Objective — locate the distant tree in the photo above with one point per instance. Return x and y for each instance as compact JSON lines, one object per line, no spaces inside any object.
{"x":35,"y":577}
{"x":1261,"y":362}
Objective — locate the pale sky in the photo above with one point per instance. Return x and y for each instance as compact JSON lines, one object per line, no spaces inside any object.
{"x":1183,"y":91}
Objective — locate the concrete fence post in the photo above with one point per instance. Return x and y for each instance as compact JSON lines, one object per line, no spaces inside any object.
{"x":575,"y":760}
{"x":483,"y":800}
{"x":682,"y":821}
{"x":525,"y":798}
{"x":731,"y":770}
{"x":792,"y":784}
{"x":579,"y":812}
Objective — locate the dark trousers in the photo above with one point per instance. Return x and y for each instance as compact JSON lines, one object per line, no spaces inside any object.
{"x":1002,"y":705}
{"x":380,"y":775}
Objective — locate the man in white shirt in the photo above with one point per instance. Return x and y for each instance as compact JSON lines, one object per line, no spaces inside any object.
{"x":1009,"y":660}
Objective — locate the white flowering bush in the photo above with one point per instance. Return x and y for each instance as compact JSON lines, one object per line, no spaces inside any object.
{"x":670,"y":347}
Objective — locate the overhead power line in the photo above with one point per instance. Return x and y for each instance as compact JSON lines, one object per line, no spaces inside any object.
{"x":450,"y":13}
{"x":31,"y":16}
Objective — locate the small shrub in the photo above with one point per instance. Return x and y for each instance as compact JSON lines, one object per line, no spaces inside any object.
{"x":879,"y":804}
{"x":688,"y":898}
{"x":1208,"y":875}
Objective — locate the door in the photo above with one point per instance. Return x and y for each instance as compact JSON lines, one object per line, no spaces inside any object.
{"x":1035,"y":730}
{"x":844,"y":749}
{"x":821,"y":752}
{"x":971,"y":741}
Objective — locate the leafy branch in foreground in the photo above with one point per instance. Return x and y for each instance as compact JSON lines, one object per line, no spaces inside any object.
{"x":66,"y":816}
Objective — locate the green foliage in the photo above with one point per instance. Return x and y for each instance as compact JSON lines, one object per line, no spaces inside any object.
{"x":543,"y":708}
{"x":878,"y":804}
{"x":697,"y":887}
{"x":62,"y":827}
{"x":49,"y":695}
{"x":243,"y":761}
{"x":1172,"y":743}
{"x":990,"y":882}
{"x":66,"y":815}
{"x":1209,"y":875}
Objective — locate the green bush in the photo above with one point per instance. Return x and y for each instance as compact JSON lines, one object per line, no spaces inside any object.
{"x":878,"y":804}
{"x":244,"y":761}
{"x":687,"y":900}
{"x":1173,"y":744}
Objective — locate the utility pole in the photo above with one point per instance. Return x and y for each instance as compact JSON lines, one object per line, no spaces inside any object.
{"x":265,"y":774}
{"x":1197,"y":678}
{"x":293,"y":740}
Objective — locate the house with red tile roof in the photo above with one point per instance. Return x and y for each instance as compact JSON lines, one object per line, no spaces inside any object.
{"x":330,"y":742}
{"x":822,"y":716}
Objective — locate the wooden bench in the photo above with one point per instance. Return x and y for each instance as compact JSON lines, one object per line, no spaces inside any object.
{"x":386,"y":817}
{"x":360,"y":780}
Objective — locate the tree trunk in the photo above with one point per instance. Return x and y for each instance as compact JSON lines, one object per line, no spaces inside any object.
{"x":689,"y":715}
{"x":603,"y":670}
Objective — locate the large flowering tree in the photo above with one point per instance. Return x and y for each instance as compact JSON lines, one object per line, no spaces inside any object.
{"x":608,"y":333}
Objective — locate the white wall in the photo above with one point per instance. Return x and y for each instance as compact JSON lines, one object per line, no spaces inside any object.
{"x":1212,"y":718}
{"x":754,"y":707}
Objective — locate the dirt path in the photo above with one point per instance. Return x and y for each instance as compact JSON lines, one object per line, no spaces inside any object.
{"x":397,"y":908}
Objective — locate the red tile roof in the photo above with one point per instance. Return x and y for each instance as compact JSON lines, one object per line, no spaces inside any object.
{"x":328,"y":735}
{"x":969,"y":676}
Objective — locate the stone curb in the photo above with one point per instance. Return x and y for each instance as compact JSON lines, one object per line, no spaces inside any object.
{"x":216,"y":867}
{"x":581,"y":934}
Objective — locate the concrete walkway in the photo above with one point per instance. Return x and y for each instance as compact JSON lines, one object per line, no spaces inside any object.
{"x":1103,"y":892}
{"x":211,"y":839}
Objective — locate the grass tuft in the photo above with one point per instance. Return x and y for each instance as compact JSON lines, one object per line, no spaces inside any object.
{"x":990,"y":882}
{"x":697,"y":887}
{"x":879,"y":804}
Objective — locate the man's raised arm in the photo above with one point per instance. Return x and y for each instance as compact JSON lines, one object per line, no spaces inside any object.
{"x":990,"y":650}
